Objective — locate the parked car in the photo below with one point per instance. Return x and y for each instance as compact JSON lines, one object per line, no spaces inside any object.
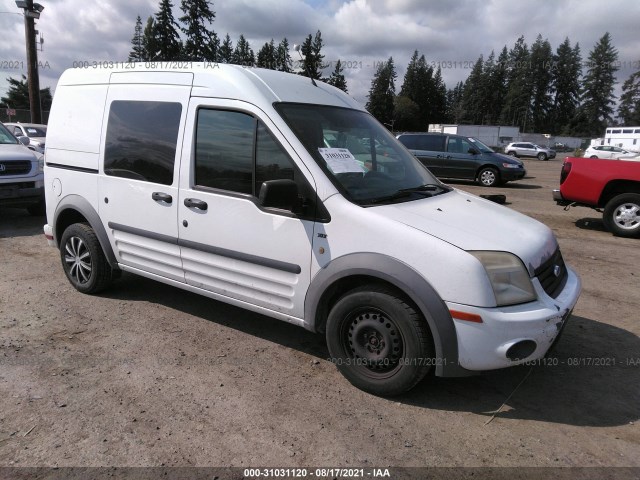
{"x":607,"y":185}
{"x":526,"y":149}
{"x":21,"y":177}
{"x":36,"y":132}
{"x":219,"y":181}
{"x":465,"y":158}
{"x":605,"y":151}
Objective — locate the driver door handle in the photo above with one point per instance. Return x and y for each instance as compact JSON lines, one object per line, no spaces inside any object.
{"x":162,"y":197}
{"x":195,"y":203}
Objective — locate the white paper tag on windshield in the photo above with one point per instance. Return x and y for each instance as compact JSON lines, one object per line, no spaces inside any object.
{"x":340,"y":160}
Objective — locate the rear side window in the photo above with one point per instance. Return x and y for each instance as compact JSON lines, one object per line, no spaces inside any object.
{"x":434,"y":143}
{"x":141,"y":140}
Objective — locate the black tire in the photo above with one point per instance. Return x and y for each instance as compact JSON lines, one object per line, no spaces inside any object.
{"x":488,"y":177}
{"x":542,"y":157}
{"x":37,"y":209}
{"x":378,"y":341}
{"x":593,"y":156}
{"x":512,"y":153}
{"x":83,"y":260}
{"x":622,"y":215}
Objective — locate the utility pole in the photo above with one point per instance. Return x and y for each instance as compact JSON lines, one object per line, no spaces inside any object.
{"x":31,"y":12}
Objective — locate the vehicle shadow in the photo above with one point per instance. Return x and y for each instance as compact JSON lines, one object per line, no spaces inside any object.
{"x":594,"y":224}
{"x":585,"y":382}
{"x":17,"y":222}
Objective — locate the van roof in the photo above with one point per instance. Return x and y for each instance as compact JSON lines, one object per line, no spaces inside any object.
{"x":255,"y":85}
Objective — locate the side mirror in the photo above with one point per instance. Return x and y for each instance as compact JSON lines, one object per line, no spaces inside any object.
{"x":24,"y":140}
{"x":281,"y":194}
{"x":473,"y":151}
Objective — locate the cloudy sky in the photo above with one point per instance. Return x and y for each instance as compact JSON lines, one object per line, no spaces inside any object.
{"x":361,"y":33}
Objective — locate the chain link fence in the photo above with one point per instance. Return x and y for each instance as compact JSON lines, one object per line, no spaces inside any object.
{"x":19,"y":115}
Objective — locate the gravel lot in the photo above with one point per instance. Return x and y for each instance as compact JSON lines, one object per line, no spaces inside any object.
{"x":149,"y":375}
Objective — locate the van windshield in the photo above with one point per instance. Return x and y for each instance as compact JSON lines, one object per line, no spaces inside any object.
{"x":361,"y":158}
{"x":481,"y":146}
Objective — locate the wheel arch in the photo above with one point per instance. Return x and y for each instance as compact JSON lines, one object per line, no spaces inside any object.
{"x":617,"y":187}
{"x":76,"y":209}
{"x":350,"y":271}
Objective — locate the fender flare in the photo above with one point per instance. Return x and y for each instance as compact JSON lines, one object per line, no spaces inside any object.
{"x":405,"y":278}
{"x":82,"y":206}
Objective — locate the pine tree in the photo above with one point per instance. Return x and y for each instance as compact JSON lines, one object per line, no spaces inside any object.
{"x":439,"y":105}
{"x":137,"y":50}
{"x":225,"y":53}
{"x":517,"y":104}
{"x":454,"y":103}
{"x":267,"y":57}
{"x":18,"y":95}
{"x":166,"y":30}
{"x":496,"y":86}
{"x":337,"y":78}
{"x":382,"y":92}
{"x":598,"y":97}
{"x":419,"y":86}
{"x":283,"y":59}
{"x":473,"y":94}
{"x":629,"y":109}
{"x":200,"y":40}
{"x":311,"y":52}
{"x":243,"y":54}
{"x":567,"y":70}
{"x":149,"y":43}
{"x":542,"y":80}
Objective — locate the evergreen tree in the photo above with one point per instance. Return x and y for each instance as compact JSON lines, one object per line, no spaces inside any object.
{"x":542,"y":81}
{"x":473,"y":96}
{"x":517,"y":104}
{"x":382,"y":92}
{"x":598,"y":97}
{"x":267,"y":56}
{"x":495,"y":85}
{"x":419,"y":85}
{"x":225,"y":53}
{"x":439,"y":105}
{"x":454,"y":104}
{"x":629,"y":109}
{"x":406,"y":114}
{"x":200,"y":40}
{"x":567,"y":70}
{"x":18,"y":95}
{"x":137,"y":53}
{"x":149,"y":43}
{"x":243,"y":54}
{"x":312,"y":56}
{"x":283,"y":59}
{"x":337,"y":78}
{"x":166,"y":30}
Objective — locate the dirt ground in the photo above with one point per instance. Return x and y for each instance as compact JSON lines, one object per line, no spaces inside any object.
{"x":149,"y":375}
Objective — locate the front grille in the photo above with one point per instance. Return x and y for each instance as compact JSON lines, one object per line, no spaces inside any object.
{"x":553,"y":274}
{"x":19,"y":167}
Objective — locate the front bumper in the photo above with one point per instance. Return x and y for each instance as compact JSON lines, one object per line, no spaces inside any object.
{"x":18,"y":194}
{"x":509,"y":175}
{"x":486,"y":345}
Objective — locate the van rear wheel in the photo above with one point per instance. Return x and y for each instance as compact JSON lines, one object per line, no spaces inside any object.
{"x":83,"y":260}
{"x":378,"y":341}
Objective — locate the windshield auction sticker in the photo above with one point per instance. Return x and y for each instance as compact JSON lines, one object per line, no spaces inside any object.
{"x":340,"y":160}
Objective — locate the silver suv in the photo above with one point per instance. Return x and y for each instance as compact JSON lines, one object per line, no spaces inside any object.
{"x":526,"y":149}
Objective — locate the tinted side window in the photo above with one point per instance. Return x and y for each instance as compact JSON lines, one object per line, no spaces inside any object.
{"x":224,"y":150}
{"x":141,"y":140}
{"x":434,"y":143}
{"x":272,"y":162}
{"x":409,"y":141}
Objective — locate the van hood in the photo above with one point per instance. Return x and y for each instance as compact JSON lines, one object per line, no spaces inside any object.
{"x":473,"y":223}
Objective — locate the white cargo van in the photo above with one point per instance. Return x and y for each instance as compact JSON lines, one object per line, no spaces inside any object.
{"x":265,"y":191}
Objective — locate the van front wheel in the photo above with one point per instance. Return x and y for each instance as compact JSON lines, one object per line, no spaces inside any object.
{"x":83,"y":260}
{"x":378,"y":341}
{"x":488,"y":177}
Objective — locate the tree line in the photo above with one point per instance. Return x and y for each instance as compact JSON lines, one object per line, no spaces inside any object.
{"x":160,"y":40}
{"x":532,"y":87}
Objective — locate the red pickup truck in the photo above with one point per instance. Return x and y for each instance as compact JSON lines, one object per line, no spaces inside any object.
{"x":612,"y":185}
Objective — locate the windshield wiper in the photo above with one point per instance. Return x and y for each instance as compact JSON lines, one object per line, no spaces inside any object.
{"x":428,"y":190}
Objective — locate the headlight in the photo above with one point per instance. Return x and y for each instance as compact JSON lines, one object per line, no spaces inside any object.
{"x":41,"y":164}
{"x":510,"y":165}
{"x":508,"y":276}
